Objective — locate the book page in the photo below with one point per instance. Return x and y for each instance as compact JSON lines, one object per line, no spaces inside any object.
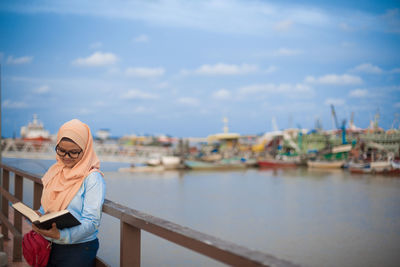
{"x":26,"y":211}
{"x":49,"y":216}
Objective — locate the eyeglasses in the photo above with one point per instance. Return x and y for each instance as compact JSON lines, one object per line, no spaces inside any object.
{"x":73,"y":154}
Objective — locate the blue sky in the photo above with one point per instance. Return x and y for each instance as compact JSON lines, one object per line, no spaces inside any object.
{"x":179,"y":67}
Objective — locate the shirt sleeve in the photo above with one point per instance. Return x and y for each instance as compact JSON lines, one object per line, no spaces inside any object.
{"x":41,"y":210}
{"x":93,"y":199}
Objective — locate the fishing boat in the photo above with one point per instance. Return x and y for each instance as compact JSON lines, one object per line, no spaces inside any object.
{"x":35,"y":131}
{"x":153,"y":161}
{"x":220,"y":165}
{"x":376,"y":167}
{"x":250,"y":162}
{"x":274,"y":163}
{"x":170,"y":162}
{"x":281,"y":160}
{"x":167,"y":162}
{"x":325,"y":164}
{"x":211,"y":157}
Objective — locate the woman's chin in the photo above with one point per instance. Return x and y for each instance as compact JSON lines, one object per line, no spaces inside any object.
{"x":69,"y":164}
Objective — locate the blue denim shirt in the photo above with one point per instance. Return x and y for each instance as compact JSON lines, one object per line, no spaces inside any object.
{"x":86,"y":207}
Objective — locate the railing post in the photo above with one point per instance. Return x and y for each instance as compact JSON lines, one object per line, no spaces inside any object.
{"x":4,"y":201}
{"x":18,"y":194}
{"x":37,"y":194}
{"x":130,"y":245}
{"x":17,"y":248}
{"x":17,"y":254}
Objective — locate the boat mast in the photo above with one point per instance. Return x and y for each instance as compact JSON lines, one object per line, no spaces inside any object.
{"x":1,"y":147}
{"x":0,"y":127}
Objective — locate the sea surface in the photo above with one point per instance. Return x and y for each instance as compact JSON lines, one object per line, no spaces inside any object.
{"x":309,"y":217}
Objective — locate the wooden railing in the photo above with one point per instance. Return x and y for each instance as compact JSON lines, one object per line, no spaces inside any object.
{"x":132,"y":222}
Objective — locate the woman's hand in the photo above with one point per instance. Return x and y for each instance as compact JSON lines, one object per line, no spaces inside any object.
{"x":53,"y":232}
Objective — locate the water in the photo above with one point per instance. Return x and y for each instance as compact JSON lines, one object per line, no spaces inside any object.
{"x":312,"y":218}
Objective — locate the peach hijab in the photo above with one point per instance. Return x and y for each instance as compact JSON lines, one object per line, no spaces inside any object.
{"x":60,"y":184}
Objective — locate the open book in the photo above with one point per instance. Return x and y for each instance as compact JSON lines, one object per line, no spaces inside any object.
{"x":63,"y":218}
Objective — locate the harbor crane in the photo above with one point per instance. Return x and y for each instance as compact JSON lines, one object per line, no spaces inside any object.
{"x":343,"y":126}
{"x":334,"y":116}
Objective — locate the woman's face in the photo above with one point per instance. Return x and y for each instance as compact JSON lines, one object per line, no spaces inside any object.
{"x":69,"y":153}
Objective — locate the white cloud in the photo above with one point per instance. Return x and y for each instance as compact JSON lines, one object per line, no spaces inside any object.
{"x":221,"y":94}
{"x":137,"y":94}
{"x":141,"y":109}
{"x":189,"y":101}
{"x":97,"y":59}
{"x":270,"y":69}
{"x":85,"y":111}
{"x":368,"y":68}
{"x":42,"y":90}
{"x":345,"y":27}
{"x":288,"y":89}
{"x":256,"y":89}
{"x":245,"y":17}
{"x":100,"y":104}
{"x":14,"y":104}
{"x":392,"y":19}
{"x":301,"y":88}
{"x":396,"y":105}
{"x":296,"y":107}
{"x":334,"y":101}
{"x":145,"y":72}
{"x":283,"y":25}
{"x":224,"y":69}
{"x":96,"y":45}
{"x":334,"y":79}
{"x":162,"y":85}
{"x":114,"y":70}
{"x":396,"y":70}
{"x":358,"y":93}
{"x":286,"y":52}
{"x":143,"y":38}
{"x":347,"y":44}
{"x":19,"y":60}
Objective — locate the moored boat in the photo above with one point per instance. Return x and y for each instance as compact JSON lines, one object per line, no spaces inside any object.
{"x":154,"y":161}
{"x":170,"y":162}
{"x":380,"y":165}
{"x":273,"y":163}
{"x":202,"y":165}
{"x":376,"y":167}
{"x":325,"y":164}
{"x":35,"y":131}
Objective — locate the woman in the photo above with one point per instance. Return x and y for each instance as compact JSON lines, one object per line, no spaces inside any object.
{"x":75,"y":183}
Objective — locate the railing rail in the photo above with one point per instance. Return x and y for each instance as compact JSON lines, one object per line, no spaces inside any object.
{"x":132,"y":222}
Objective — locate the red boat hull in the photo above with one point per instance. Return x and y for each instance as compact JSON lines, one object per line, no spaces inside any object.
{"x":275,"y":164}
{"x":369,"y":171}
{"x":37,"y":139}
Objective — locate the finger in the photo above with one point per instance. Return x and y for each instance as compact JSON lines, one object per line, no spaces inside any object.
{"x":34,"y":228}
{"x":38,"y":230}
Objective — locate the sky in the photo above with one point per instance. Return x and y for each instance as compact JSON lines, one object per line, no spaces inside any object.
{"x":179,"y":67}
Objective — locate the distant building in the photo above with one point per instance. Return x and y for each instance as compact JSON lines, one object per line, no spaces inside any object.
{"x":103,"y":134}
